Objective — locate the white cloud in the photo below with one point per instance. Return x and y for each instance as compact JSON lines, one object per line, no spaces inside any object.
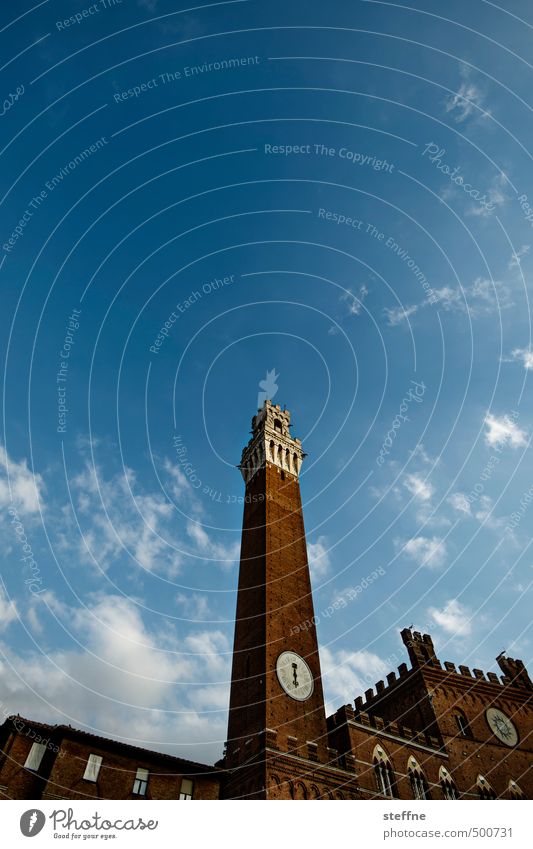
{"x":125,"y":677}
{"x":118,"y":518}
{"x":19,"y":486}
{"x":397,"y":315}
{"x":483,"y":297}
{"x":8,"y":610}
{"x":496,"y":195}
{"x":355,"y":302}
{"x":525,"y":356}
{"x":194,"y":605}
{"x":454,"y":618}
{"x":418,"y":487}
{"x":459,"y":502}
{"x":225,"y":552}
{"x":426,"y":551}
{"x":348,"y":674}
{"x":319,"y":558}
{"x":467,"y":100}
{"x":518,"y":256}
{"x":503,"y":430}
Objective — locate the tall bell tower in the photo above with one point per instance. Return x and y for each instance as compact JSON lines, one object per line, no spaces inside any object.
{"x":277,"y":743}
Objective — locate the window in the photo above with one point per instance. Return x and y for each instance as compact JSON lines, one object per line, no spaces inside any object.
{"x":384,"y":773}
{"x":141,"y":782}
{"x":462,"y":724}
{"x":186,"y":788}
{"x":93,"y":768}
{"x":449,"y":790}
{"x":35,"y":756}
{"x":515,"y":792}
{"x":277,"y":425}
{"x":419,"y":785}
{"x":484,"y":789}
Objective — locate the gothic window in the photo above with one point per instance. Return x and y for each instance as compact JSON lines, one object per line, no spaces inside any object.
{"x":484,"y":789}
{"x":419,"y":785}
{"x":384,"y":773}
{"x":295,"y":462}
{"x":288,"y":458}
{"x":462,"y":724}
{"x":515,"y":792}
{"x":449,"y":790}
{"x":277,"y":425}
{"x":271,"y":455}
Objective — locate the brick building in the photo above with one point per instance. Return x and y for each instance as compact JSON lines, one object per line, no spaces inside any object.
{"x":39,"y":761}
{"x":429,"y":731}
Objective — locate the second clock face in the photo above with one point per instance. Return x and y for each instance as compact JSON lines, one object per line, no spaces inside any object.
{"x":501,"y":726}
{"x":294,"y":675}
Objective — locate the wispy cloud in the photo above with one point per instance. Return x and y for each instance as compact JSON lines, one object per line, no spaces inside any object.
{"x":354,"y":303}
{"x":460,"y":502}
{"x":319,"y":558}
{"x":19,"y":485}
{"x":518,"y":256}
{"x":425,"y":551}
{"x":418,"y":487}
{"x":482,"y":298}
{"x":468,"y":100}
{"x":523,"y":355}
{"x":8,"y":611}
{"x":397,"y":315}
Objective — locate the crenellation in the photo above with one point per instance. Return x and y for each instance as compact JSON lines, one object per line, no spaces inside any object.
{"x":464,"y":670}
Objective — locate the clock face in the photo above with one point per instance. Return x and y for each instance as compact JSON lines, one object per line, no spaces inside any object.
{"x":294,"y":676}
{"x":501,"y":726}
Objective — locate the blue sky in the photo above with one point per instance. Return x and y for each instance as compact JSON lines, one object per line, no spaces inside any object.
{"x":341,"y":196}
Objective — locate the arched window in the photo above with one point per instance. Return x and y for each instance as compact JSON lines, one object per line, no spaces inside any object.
{"x":515,"y":792}
{"x":449,"y":790}
{"x":419,"y":785}
{"x":484,"y":789}
{"x":277,"y":425}
{"x":462,"y":724}
{"x":271,"y":447}
{"x":384,"y":773}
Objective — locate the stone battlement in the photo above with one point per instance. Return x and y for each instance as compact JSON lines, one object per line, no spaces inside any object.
{"x":376,"y":723}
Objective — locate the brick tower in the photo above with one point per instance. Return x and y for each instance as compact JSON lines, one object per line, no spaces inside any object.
{"x":277,"y":736}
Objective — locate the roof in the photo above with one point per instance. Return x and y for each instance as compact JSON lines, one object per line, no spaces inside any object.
{"x":63,"y":731}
